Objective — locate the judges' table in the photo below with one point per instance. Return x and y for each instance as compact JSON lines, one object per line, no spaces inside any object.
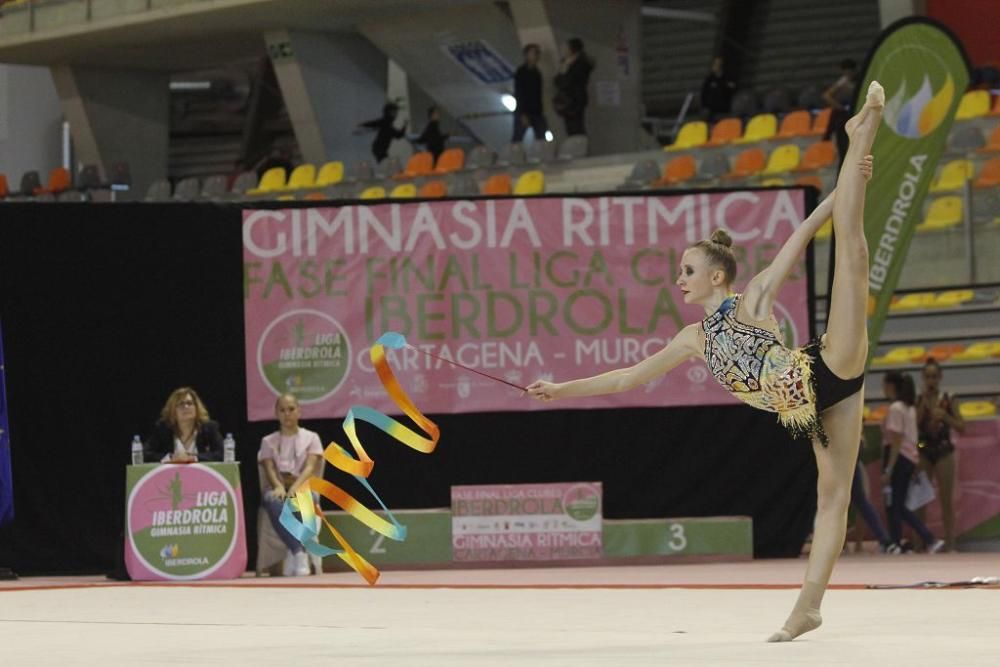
{"x":184,"y":522}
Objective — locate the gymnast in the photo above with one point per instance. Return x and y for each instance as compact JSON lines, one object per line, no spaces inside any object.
{"x":816,"y":390}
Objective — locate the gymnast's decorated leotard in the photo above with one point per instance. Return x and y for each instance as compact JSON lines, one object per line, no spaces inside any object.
{"x":754,"y":366}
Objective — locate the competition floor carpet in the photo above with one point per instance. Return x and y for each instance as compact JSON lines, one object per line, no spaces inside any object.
{"x":714,"y":614}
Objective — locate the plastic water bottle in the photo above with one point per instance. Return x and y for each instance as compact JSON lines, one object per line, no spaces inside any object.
{"x":137,"y":457}
{"x":229,"y":449}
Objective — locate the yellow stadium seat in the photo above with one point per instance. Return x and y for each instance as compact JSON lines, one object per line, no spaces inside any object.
{"x":901,"y":355}
{"x":782,"y":159}
{"x":769,"y":182}
{"x":977,"y":409}
{"x":530,"y":183}
{"x":330,"y":173}
{"x":303,"y":176}
{"x":955,"y":297}
{"x":692,"y":135}
{"x":944,"y":213}
{"x":403,"y":191}
{"x":953,"y":176}
{"x":974,"y":104}
{"x":826,"y":231}
{"x":762,"y":126}
{"x":978,"y":351}
{"x":913,"y":301}
{"x":373,"y":192}
{"x":272,"y":181}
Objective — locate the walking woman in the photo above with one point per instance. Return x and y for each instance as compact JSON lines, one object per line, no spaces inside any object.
{"x":815,"y":390}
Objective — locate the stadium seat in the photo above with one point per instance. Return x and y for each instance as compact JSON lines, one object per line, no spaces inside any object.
{"x":943,"y":213}
{"x":977,"y":409}
{"x":30,"y":182}
{"x":213,"y":187}
{"x":814,"y":181}
{"x":419,"y":164}
{"x":990,"y":175}
{"x":158,"y":191}
{"x":795,"y":124}
{"x":993,"y":142}
{"x":693,"y":134}
{"x":433,"y":190}
{"x":978,"y":351}
{"x":187,"y":189}
{"x":511,"y":155}
{"x":273,"y":180}
{"x":952,"y":298}
{"x":244,"y":183}
{"x":497,"y":184}
{"x":783,"y":158}
{"x":748,"y":163}
{"x":908,"y":354}
{"x":643,"y":173}
{"x":59,"y":180}
{"x":953,"y":176}
{"x":540,"y":151}
{"x":72,"y":196}
{"x":974,"y":104}
{"x":820,"y":155}
{"x":777,"y":101}
{"x":373,"y":192}
{"x":944,"y":351}
{"x":773,"y":182}
{"x":965,"y":139}
{"x":403,"y":191}
{"x":89,"y":177}
{"x":329,"y":174}
{"x":821,"y":122}
{"x":725,"y":132}
{"x":530,"y":183}
{"x":715,"y":165}
{"x":574,"y":148}
{"x":4,"y":188}
{"x":678,"y":170}
{"x":810,"y":97}
{"x":462,"y":185}
{"x":389,"y":167}
{"x":825,"y":231}
{"x":315,"y":196}
{"x":480,"y":157}
{"x":914,"y":301}
{"x":995,"y":111}
{"x":875,"y":415}
{"x":451,"y":160}
{"x":362,"y":171}
{"x":761,"y":127}
{"x":744,"y":103}
{"x":303,"y":176}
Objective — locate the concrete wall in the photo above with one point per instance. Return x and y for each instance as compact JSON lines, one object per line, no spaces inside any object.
{"x":30,"y":122}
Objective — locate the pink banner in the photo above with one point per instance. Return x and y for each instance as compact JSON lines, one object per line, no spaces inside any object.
{"x":553,"y":287}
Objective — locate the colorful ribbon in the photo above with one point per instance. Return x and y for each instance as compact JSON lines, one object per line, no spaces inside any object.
{"x":307,"y":529}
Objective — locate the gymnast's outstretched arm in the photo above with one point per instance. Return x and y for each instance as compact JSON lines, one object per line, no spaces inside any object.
{"x":682,"y":347}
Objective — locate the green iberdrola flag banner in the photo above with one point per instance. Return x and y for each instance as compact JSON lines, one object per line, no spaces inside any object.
{"x":924,"y":72}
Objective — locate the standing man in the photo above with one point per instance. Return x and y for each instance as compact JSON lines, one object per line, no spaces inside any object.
{"x":571,"y":86}
{"x":840,"y":97}
{"x":528,"y":93}
{"x":716,"y":92}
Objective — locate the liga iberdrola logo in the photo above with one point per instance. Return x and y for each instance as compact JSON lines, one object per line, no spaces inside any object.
{"x":918,"y":99}
{"x":306,"y":353}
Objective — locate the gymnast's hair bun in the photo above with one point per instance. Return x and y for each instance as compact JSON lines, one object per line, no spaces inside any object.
{"x":722,"y":238}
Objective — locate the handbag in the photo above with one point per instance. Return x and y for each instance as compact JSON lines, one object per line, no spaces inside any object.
{"x":920,"y":492}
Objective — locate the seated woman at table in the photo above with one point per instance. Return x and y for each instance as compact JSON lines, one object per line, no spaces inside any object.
{"x":184,"y":432}
{"x":290,"y":456}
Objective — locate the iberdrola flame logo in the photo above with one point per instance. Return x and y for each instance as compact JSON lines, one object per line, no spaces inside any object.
{"x":917,"y":114}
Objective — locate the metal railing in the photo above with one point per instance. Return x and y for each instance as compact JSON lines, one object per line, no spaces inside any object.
{"x":14,"y":8}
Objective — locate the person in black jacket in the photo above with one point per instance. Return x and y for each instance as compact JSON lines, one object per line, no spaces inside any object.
{"x":571,"y":86}
{"x":716,"y":92}
{"x":528,"y":93}
{"x":385,"y":130}
{"x":432,"y":137}
{"x":184,"y":432}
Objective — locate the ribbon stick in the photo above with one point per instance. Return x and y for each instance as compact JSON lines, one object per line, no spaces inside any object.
{"x":307,"y":527}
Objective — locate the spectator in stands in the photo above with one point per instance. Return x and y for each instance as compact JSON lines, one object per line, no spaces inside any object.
{"x":840,"y":98}
{"x":385,"y":130}
{"x":937,"y":414}
{"x":571,"y":86}
{"x":862,"y":504}
{"x":184,"y":432}
{"x":716,"y":92}
{"x":899,"y":435}
{"x":432,"y":137}
{"x":290,"y":456}
{"x":280,"y":156}
{"x":528,"y":93}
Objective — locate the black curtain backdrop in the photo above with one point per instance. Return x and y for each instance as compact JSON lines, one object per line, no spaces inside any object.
{"x":108,"y":308}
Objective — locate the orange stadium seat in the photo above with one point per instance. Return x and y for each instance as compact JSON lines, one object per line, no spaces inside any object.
{"x":820,"y":155}
{"x":433,"y":190}
{"x":419,"y":164}
{"x":498,"y":184}
{"x":4,"y":187}
{"x":993,"y":143}
{"x":725,"y":131}
{"x":692,"y":135}
{"x":995,"y":111}
{"x":315,"y":196}
{"x":974,"y":104}
{"x":59,"y":180}
{"x":678,"y":170}
{"x":451,"y":160}
{"x":990,"y":175}
{"x":795,"y":124}
{"x":878,"y":413}
{"x":821,"y":122}
{"x":748,"y":163}
{"x":944,"y":351}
